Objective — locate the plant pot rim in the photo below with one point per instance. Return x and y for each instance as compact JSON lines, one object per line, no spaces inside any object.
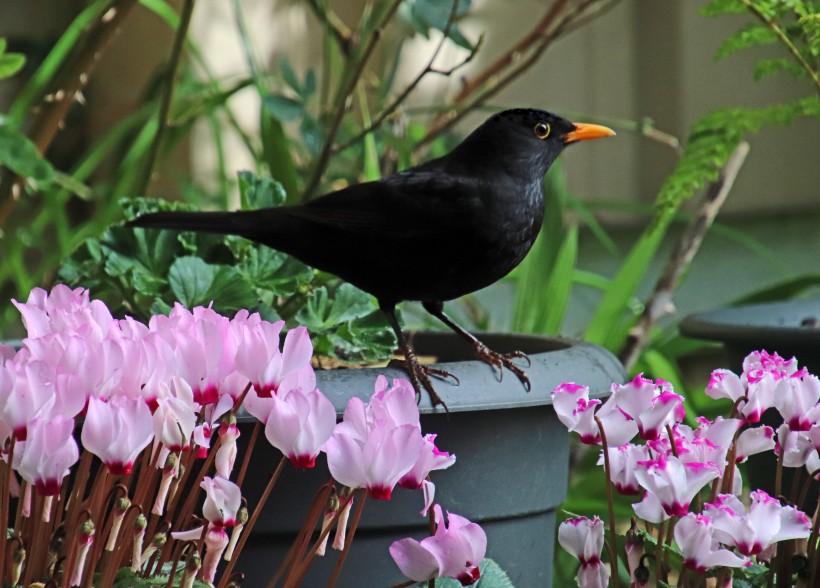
{"x":772,"y":323}
{"x":554,"y":360}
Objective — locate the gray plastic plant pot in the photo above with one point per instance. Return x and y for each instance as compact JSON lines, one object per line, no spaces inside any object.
{"x":510,"y":475}
{"x":792,"y":329}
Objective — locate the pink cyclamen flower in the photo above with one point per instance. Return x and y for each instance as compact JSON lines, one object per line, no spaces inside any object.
{"x":26,"y":393}
{"x":623,"y":463}
{"x":46,"y":455}
{"x":759,"y":364}
{"x":796,"y":398}
{"x":766,"y":522}
{"x":377,"y":461}
{"x":299,"y":424}
{"x":757,"y":395}
{"x":797,"y":446}
{"x":574,"y":408}
{"x":752,"y":441}
{"x":453,"y":551}
{"x":64,"y":310}
{"x":431,"y":458}
{"x":117,"y":431}
{"x":694,"y":534}
{"x":374,"y":453}
{"x":673,"y":484}
{"x":584,"y":539}
{"x":226,"y":454}
{"x":176,"y":414}
{"x":650,"y":405}
{"x":223,"y":499}
{"x":269,"y":369}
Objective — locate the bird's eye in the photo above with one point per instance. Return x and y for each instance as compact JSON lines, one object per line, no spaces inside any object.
{"x":542,"y":130}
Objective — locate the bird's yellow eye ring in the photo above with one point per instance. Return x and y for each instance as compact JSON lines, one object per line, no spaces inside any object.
{"x":542,"y":130}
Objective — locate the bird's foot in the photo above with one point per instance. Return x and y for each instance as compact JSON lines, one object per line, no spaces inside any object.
{"x":420,"y":377}
{"x":503,"y":360}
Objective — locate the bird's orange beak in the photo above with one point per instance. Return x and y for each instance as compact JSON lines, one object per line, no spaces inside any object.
{"x":584,"y":131}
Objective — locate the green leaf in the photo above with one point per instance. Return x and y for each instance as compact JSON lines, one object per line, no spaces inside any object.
{"x":559,"y":287}
{"x":10,"y":63}
{"x":191,"y":279}
{"x":718,"y":7}
{"x":492,"y":576}
{"x":751,"y":35}
{"x":312,"y":133}
{"x":323,"y":311}
{"x":368,"y":338}
{"x":372,"y":170}
{"x":769,"y":67}
{"x":289,"y":75}
{"x":259,"y":192}
{"x":274,"y":271}
{"x":276,"y":153}
{"x":423,"y":15}
{"x":784,"y":290}
{"x":282,"y":107}
{"x":196,"y":283}
{"x":20,"y":155}
{"x":310,"y":84}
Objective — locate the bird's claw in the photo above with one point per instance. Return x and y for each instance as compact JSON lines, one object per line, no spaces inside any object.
{"x":504,"y":360}
{"x":420,"y":377}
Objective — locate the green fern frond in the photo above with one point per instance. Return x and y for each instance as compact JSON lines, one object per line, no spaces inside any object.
{"x":769,"y":67}
{"x":713,"y":139}
{"x":752,"y":35}
{"x":718,"y":7}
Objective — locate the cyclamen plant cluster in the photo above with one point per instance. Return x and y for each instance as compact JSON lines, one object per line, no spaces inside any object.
{"x":157,"y":405}
{"x":677,"y":466}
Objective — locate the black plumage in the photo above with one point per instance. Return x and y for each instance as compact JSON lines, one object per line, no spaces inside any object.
{"x":431,"y":233}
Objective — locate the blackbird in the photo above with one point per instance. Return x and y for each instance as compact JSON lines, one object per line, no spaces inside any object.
{"x":431,"y":233}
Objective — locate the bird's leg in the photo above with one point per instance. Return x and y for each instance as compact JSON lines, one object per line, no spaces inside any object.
{"x":484,"y":353}
{"x":419,"y":374}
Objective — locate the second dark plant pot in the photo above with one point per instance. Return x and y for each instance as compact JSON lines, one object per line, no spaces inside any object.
{"x":510,"y":475}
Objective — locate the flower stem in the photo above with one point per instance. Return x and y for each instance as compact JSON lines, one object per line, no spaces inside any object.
{"x":613,"y":536}
{"x":252,"y":521}
{"x":659,"y":555}
{"x":248,"y":452}
{"x":5,"y":483}
{"x":351,"y":532}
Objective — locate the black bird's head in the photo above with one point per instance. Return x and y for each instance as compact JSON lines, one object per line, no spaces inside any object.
{"x":524,"y":142}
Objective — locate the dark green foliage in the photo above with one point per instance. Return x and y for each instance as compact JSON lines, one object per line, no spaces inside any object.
{"x":424,"y":15}
{"x":126,"y":578}
{"x":10,"y":63}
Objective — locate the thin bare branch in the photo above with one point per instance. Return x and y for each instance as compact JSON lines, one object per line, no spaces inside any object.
{"x":167,"y":95}
{"x":333,"y":24}
{"x":428,"y":69}
{"x":557,"y":21}
{"x":341,"y":100}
